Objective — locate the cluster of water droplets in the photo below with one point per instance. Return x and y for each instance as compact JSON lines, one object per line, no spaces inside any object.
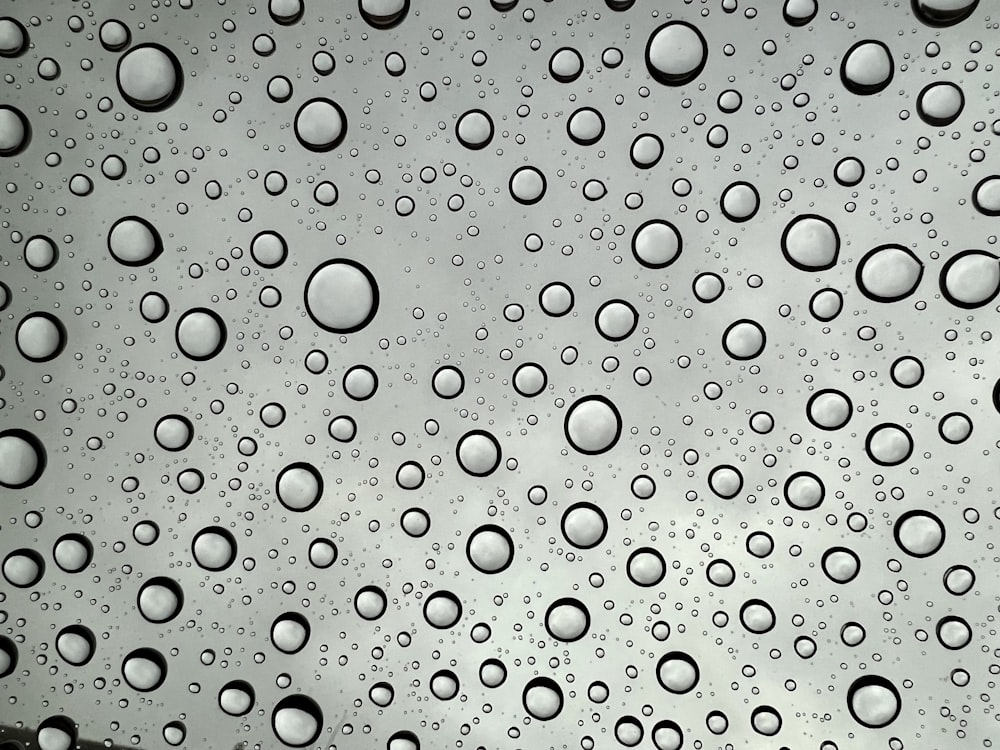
{"x":506,"y":375}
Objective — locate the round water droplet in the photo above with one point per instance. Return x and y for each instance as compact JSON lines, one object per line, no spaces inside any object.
{"x":22,"y":459}
{"x":567,"y":619}
{"x":542,"y":698}
{"x":150,"y":77}
{"x":15,"y":130}
{"x":593,"y":425}
{"x":656,"y":243}
{"x":970,"y":279}
{"x":73,"y":552}
{"x":236,"y":698}
{"x":370,"y":602}
{"x":677,"y":672}
{"x":40,"y":337}
{"x":290,"y":632}
{"x":442,"y":610}
{"x":585,"y":126}
{"x":811,"y":243}
{"x":986,"y":196}
{"x":200,"y":334}
{"x":299,"y":486}
{"x":888,"y":444}
{"x":584,"y":525}
{"x":565,"y":65}
{"x":478,"y":453}
{"x":829,"y":409}
{"x":873,"y":701}
{"x":527,"y":185}
{"x":13,"y":37}
{"x":740,"y":201}
{"x":490,"y":549}
{"x":341,"y":296}
{"x":757,"y":616}
{"x":889,"y":273}
{"x":744,"y":339}
{"x":474,"y":129}
{"x":214,"y":548}
{"x":76,"y":645}
{"x":804,"y":490}
{"x":676,"y":53}
{"x":40,"y":253}
{"x":939,"y":104}
{"x":867,"y":67}
{"x":646,"y":567}
{"x":144,"y":669}
{"x":160,"y":599}
{"x":297,"y":720}
{"x":23,"y":568}
{"x":940,"y":13}
{"x":841,"y":565}
{"x":383,"y":14}
{"x":616,"y":319}
{"x":320,"y":124}
{"x":919,"y":533}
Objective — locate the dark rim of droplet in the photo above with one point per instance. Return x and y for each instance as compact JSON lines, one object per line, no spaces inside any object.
{"x":313,"y":472}
{"x":799,"y":20}
{"x":722,"y":202}
{"x":956,"y":569}
{"x":60,"y":331}
{"x":149,"y":654}
{"x":724,"y":467}
{"x":618,"y":425}
{"x":560,"y":285}
{"x":172,"y":586}
{"x":354,"y":428}
{"x":5,"y":296}
{"x":676,"y":80}
{"x":707,"y":274}
{"x":371,"y":589}
{"x":488,"y":436}
{"x":497,"y":664}
{"x":678,"y":656}
{"x":323,"y":543}
{"x":165,"y":101}
{"x":769,"y":710}
{"x":420,"y":512}
{"x":592,"y":508}
{"x":528,"y":201}
{"x":872,"y":680}
{"x":371,"y":282}
{"x":74,"y":538}
{"x":975,"y":197}
{"x":620,"y":5}
{"x":755,"y":535}
{"x":585,"y":141}
{"x":26,"y":140}
{"x":757,"y":603}
{"x":742,"y":321}
{"x":62,"y":724}
{"x":461,"y":382}
{"x":766,"y":415}
{"x":415,"y":465}
{"x":219,"y":531}
{"x":866,"y":89}
{"x":668,"y":725}
{"x":631,"y":330}
{"x":469,"y":144}
{"x":180,"y":418}
{"x":371,"y":372}
{"x":827,"y":392}
{"x":723,"y":564}
{"x":379,"y":686}
{"x":445,"y":674}
{"x":943,"y":277}
{"x":949,"y":620}
{"x":836,"y":169}
{"x":539,"y":368}
{"x":800,"y":475}
{"x":281,"y":241}
{"x":940,"y":121}
{"x":121,"y":45}
{"x":859,"y":270}
{"x":223,"y":334}
{"x":815,"y":297}
{"x":941,"y":18}
{"x":330,"y":145}
{"x":299,"y":620}
{"x":281,"y":99}
{"x":242,"y":686}
{"x":885,"y":425}
{"x":792,"y":261}
{"x":35,"y":558}
{"x":568,"y":601}
{"x":897,"y":531}
{"x":8,"y":647}
{"x":906,"y":358}
{"x":503,"y":6}
{"x":651,"y":552}
{"x":301,"y":703}
{"x":403,"y":738}
{"x":954,"y":415}
{"x":630,"y":721}
{"x":542,"y":682}
{"x":451,"y":598}
{"x":40,"y":452}
{"x":287,"y":20}
{"x":841,"y":550}
{"x":645,"y":165}
{"x":852,"y":625}
{"x":25,"y":39}
{"x":486,"y":528}
{"x":50,"y":243}
{"x":82,"y":631}
{"x":643,"y":478}
{"x":387,"y":21}
{"x":566,"y":78}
